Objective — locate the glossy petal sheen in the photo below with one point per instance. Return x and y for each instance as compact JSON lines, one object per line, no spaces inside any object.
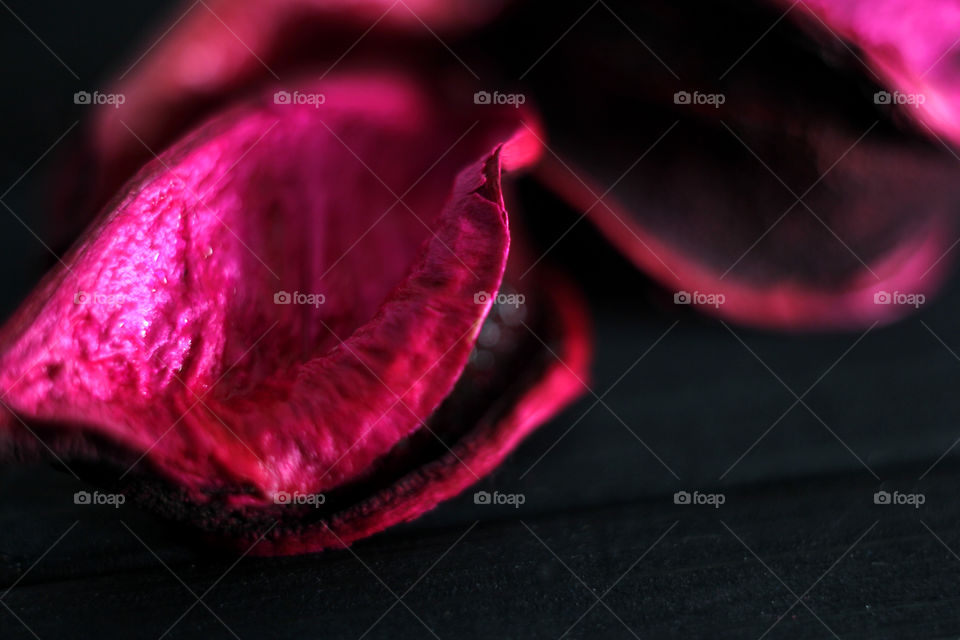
{"x":278,"y":304}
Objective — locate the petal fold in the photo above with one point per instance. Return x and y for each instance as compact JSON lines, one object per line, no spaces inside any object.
{"x":299,"y":300}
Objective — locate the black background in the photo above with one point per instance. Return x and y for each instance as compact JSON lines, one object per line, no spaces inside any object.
{"x":599,"y":544}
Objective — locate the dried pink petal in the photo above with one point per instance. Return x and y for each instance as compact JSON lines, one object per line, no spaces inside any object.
{"x":278,"y":305}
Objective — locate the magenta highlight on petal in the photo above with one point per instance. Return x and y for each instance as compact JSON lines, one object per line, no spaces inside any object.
{"x":260,"y":316}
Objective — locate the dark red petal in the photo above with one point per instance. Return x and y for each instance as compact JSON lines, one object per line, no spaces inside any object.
{"x":796,"y":197}
{"x":787,"y":274}
{"x":163,"y":337}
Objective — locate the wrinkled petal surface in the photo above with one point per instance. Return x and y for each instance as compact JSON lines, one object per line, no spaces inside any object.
{"x":279,"y":304}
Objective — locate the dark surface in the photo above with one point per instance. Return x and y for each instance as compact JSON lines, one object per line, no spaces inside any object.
{"x":798,"y":523}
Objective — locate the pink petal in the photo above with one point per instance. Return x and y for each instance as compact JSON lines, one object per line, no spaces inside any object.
{"x":216,"y":50}
{"x":911,"y":45}
{"x":161,"y":337}
{"x":767,"y":274}
{"x":794,"y":197}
